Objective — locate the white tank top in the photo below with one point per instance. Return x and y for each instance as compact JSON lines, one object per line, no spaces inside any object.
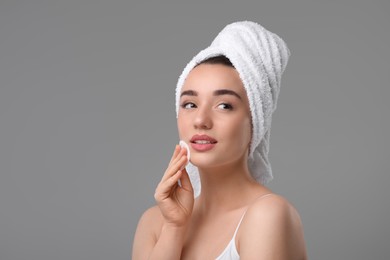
{"x":230,"y":252}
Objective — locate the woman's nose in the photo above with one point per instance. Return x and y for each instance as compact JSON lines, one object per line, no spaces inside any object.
{"x":203,"y":119}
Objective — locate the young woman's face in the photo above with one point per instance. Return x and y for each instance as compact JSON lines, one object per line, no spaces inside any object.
{"x":214,"y":117}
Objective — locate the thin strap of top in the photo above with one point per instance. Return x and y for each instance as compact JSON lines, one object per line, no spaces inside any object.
{"x":242,"y":217}
{"x":230,"y":252}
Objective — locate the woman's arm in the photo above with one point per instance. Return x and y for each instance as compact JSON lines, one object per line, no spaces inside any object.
{"x":155,"y":240}
{"x":272,"y":229}
{"x":161,"y":230}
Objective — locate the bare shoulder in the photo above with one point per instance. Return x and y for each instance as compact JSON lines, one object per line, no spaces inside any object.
{"x":151,"y":213}
{"x":146,"y":235}
{"x":272,"y":229}
{"x":151,"y":220}
{"x":273,"y":208}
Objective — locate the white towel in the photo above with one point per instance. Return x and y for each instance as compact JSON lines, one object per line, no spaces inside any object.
{"x":260,"y":57}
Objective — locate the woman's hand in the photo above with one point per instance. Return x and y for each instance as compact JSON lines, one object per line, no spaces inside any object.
{"x":175,"y":202}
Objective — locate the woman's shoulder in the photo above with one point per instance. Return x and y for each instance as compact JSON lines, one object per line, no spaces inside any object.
{"x":151,"y":216}
{"x":274,"y":223}
{"x":271,"y":210}
{"x":146,"y":234}
{"x":150,"y":222}
{"x":272,"y":206}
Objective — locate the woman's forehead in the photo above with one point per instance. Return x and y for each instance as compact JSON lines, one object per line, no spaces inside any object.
{"x":210,"y":77}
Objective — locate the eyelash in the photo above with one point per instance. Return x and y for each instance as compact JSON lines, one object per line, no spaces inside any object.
{"x":229,"y":106}
{"x":185,"y":104}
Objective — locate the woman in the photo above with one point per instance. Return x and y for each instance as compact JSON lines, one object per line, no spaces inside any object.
{"x":224,"y":102}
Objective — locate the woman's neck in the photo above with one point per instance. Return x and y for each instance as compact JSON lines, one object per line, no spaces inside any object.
{"x":226,"y":188}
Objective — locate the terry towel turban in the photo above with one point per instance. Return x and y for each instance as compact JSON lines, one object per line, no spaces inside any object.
{"x":260,"y":57}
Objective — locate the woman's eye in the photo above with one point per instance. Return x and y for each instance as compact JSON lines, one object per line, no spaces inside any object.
{"x":225,"y":106}
{"x":188,"y":105}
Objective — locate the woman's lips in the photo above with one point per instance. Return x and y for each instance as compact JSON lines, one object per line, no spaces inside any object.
{"x":202,"y":147}
{"x":202,"y":143}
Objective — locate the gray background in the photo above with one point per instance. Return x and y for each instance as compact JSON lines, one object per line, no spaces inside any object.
{"x":87,"y":121}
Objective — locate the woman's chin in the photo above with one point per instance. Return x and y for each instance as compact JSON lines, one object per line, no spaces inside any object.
{"x":201,"y":165}
{"x":206,"y":164}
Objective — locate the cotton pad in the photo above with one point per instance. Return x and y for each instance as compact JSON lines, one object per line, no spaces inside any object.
{"x":185,"y":145}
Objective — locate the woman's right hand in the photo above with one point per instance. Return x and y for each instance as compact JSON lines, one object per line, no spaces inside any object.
{"x":175,"y":202}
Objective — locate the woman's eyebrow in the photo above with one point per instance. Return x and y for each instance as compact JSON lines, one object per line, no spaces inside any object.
{"x":218,"y":92}
{"x":189,"y":93}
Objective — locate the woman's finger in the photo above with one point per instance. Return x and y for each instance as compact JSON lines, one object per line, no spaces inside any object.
{"x":182,"y":152}
{"x":174,"y":179}
{"x":175,"y":152}
{"x":165,"y":188}
{"x":185,"y":181}
{"x":175,"y":166}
